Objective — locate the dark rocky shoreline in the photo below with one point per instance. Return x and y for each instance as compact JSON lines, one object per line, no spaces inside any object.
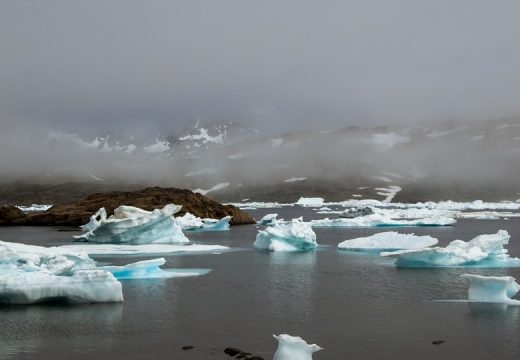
{"x":78,"y":213}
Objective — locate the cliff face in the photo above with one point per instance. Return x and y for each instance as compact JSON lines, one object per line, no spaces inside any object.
{"x":79,"y":212}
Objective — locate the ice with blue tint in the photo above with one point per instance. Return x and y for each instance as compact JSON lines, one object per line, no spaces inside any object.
{"x":492,"y":289}
{"x":147,"y":269}
{"x":190,"y":222}
{"x":388,"y":241}
{"x":268,"y":220}
{"x":294,"y":348}
{"x":291,"y":236}
{"x":132,"y":225}
{"x":482,"y":251}
{"x":31,"y":274}
{"x":379,"y":220}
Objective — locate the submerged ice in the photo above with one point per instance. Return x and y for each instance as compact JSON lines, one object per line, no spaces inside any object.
{"x":492,"y":289}
{"x":388,"y":241}
{"x":150,"y":269}
{"x":292,"y":236}
{"x":132,"y":225}
{"x":294,"y":348}
{"x":482,"y":251}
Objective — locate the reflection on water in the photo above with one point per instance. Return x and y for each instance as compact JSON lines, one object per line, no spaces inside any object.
{"x":290,"y":279}
{"x":78,"y":325}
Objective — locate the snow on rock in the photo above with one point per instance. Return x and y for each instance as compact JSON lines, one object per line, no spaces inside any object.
{"x":493,"y":289}
{"x":388,"y":140}
{"x":388,"y":241}
{"x":214,"y":188}
{"x":159,"y":147}
{"x":148,"y":269}
{"x":34,"y":208}
{"x":310,"y":202}
{"x":148,"y":249}
{"x":190,"y":222}
{"x":382,"y":178}
{"x":482,"y":251}
{"x":293,"y":236}
{"x":203,"y":136}
{"x":378,"y":220}
{"x":132,"y":225}
{"x":294,"y":179}
{"x":31,"y":274}
{"x":389,"y":192}
{"x":294,"y":348}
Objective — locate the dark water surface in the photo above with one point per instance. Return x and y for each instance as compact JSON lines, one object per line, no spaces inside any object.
{"x":355,"y":306}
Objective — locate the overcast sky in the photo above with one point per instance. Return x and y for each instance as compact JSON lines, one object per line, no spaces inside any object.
{"x":128,"y":66}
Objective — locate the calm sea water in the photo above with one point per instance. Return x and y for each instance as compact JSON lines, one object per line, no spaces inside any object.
{"x":355,"y":306}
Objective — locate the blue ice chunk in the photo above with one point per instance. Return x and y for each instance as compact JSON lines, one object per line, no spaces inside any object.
{"x":147,"y":269}
{"x":294,"y":236}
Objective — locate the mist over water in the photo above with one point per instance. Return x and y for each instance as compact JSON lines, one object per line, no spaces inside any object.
{"x":440,"y":77}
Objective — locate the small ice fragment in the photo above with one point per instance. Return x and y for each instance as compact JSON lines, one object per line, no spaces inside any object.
{"x":493,"y":289}
{"x":294,"y":348}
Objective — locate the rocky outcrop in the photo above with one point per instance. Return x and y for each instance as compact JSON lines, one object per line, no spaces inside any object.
{"x":10,"y":215}
{"x":79,"y":212}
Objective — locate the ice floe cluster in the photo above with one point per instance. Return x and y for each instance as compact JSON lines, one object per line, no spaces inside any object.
{"x":292,"y":236}
{"x":482,"y":251}
{"x":190,"y":222}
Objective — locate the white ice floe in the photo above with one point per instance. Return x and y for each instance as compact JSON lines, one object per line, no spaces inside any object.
{"x":294,"y":348}
{"x":492,"y":289}
{"x":269,"y":219}
{"x":482,"y":251}
{"x":31,"y":274}
{"x":149,"y":269}
{"x":149,"y":249}
{"x":34,"y":208}
{"x":388,"y":241}
{"x":310,"y":202}
{"x":190,"y":222}
{"x":292,"y":236}
{"x":379,"y":220}
{"x":132,"y":225}
{"x":214,"y":188}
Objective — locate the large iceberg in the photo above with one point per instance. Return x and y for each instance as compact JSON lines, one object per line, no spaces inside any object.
{"x":31,"y":274}
{"x":293,"y":236}
{"x":150,"y":269}
{"x":482,"y":251}
{"x":132,"y":225}
{"x":294,"y":348}
{"x":190,"y":222}
{"x":388,"y":241}
{"x":493,"y":289}
{"x":379,"y":220}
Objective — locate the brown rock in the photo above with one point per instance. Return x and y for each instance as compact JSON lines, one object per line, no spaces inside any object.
{"x":79,"y":212}
{"x":10,"y":215}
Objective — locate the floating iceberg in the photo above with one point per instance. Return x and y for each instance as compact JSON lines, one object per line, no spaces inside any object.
{"x":190,"y":222}
{"x":31,"y":274}
{"x":132,"y":225}
{"x":493,"y":289}
{"x":310,"y":202}
{"x":379,"y":220}
{"x":268,"y":220}
{"x":150,"y":269}
{"x":294,"y":348}
{"x":294,"y":236}
{"x":147,"y":249}
{"x":388,"y":241}
{"x":482,"y":251}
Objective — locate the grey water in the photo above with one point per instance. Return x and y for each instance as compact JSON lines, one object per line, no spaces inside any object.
{"x":355,"y":306}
